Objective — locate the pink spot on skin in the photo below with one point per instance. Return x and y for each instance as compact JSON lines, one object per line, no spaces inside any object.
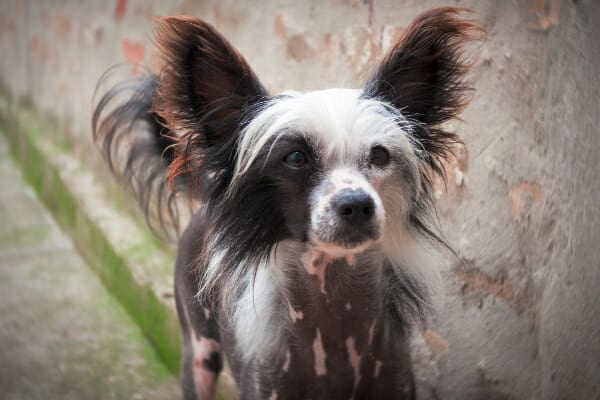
{"x":378,"y":365}
{"x":320,"y":356}
{"x":315,"y":263}
{"x":371,"y":331}
{"x":288,"y":359}
{"x":273,"y":395}
{"x":206,"y":313}
{"x":295,"y":315}
{"x":350,"y":259}
{"x":354,"y":359}
{"x":204,"y":380}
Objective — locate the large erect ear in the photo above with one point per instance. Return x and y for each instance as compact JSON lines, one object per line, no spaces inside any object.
{"x":423,"y":76}
{"x":204,"y":89}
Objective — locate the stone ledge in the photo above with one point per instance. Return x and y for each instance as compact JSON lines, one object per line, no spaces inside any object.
{"x":129,"y":260}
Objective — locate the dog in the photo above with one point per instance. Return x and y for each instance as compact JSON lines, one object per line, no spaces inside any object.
{"x":303,"y":262}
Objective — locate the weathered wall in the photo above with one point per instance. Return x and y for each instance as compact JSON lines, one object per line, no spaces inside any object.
{"x":521,"y":320}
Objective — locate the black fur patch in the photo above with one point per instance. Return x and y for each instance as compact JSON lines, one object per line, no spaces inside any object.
{"x":268,"y":205}
{"x":136,"y":146}
{"x":213,"y":363}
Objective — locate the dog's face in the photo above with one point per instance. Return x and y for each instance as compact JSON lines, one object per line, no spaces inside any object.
{"x":337,"y":162}
{"x":341,"y":169}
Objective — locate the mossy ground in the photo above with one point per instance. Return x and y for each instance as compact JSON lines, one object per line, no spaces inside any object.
{"x":63,"y":336}
{"x":153,"y":315}
{"x":131,"y":263}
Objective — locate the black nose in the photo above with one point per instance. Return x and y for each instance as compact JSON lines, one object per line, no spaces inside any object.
{"x":354,"y":206}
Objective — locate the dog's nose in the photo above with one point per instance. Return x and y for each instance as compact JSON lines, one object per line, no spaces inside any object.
{"x":354,"y":206}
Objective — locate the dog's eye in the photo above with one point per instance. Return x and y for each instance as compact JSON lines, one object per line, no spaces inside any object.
{"x":296,"y":159}
{"x":379,"y":156}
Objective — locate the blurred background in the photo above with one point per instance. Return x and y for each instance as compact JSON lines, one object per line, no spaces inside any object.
{"x":86,"y":309}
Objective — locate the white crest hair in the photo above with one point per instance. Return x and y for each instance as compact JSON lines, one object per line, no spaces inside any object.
{"x":339,"y":121}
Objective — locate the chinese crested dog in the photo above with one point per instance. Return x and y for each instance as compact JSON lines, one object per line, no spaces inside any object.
{"x":301,"y":264}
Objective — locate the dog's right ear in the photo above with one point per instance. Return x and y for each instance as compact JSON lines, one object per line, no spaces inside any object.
{"x":204,"y":89}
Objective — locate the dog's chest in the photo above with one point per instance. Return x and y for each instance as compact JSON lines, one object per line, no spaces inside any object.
{"x":338,"y":343}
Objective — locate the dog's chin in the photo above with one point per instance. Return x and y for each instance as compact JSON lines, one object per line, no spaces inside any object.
{"x":337,"y":250}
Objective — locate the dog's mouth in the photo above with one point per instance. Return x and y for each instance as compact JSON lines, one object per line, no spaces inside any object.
{"x":339,"y":250}
{"x":340,"y":238}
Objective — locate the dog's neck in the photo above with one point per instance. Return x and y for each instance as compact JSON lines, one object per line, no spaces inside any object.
{"x":337,"y":332}
{"x":325,"y":288}
{"x":333,"y":305}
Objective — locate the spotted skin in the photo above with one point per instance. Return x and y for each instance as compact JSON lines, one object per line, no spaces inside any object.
{"x":344,"y":347}
{"x":340,"y":343}
{"x":201,"y":358}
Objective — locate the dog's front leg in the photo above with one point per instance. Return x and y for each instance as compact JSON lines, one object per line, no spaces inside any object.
{"x":201,"y":360}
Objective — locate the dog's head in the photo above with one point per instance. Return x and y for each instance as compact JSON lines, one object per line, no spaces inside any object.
{"x":342,"y":169}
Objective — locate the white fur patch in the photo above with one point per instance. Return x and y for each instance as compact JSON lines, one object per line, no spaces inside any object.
{"x":255,"y":318}
{"x":415,"y":258}
{"x":211,"y":273}
{"x":338,"y":120}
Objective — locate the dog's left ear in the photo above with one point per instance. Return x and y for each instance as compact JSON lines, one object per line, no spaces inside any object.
{"x":423,"y":76}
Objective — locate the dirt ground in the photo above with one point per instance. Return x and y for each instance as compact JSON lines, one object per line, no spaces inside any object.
{"x":62,"y":335}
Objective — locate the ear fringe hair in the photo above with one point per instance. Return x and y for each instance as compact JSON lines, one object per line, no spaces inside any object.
{"x":407,"y":297}
{"x":137,"y":148}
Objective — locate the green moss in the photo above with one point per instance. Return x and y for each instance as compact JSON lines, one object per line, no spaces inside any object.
{"x":155,"y":318}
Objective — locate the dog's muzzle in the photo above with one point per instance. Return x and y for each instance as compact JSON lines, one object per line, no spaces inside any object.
{"x":349,"y":217}
{"x":355,"y":214}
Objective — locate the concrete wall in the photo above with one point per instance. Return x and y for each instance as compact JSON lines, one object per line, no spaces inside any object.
{"x":520,"y":321}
